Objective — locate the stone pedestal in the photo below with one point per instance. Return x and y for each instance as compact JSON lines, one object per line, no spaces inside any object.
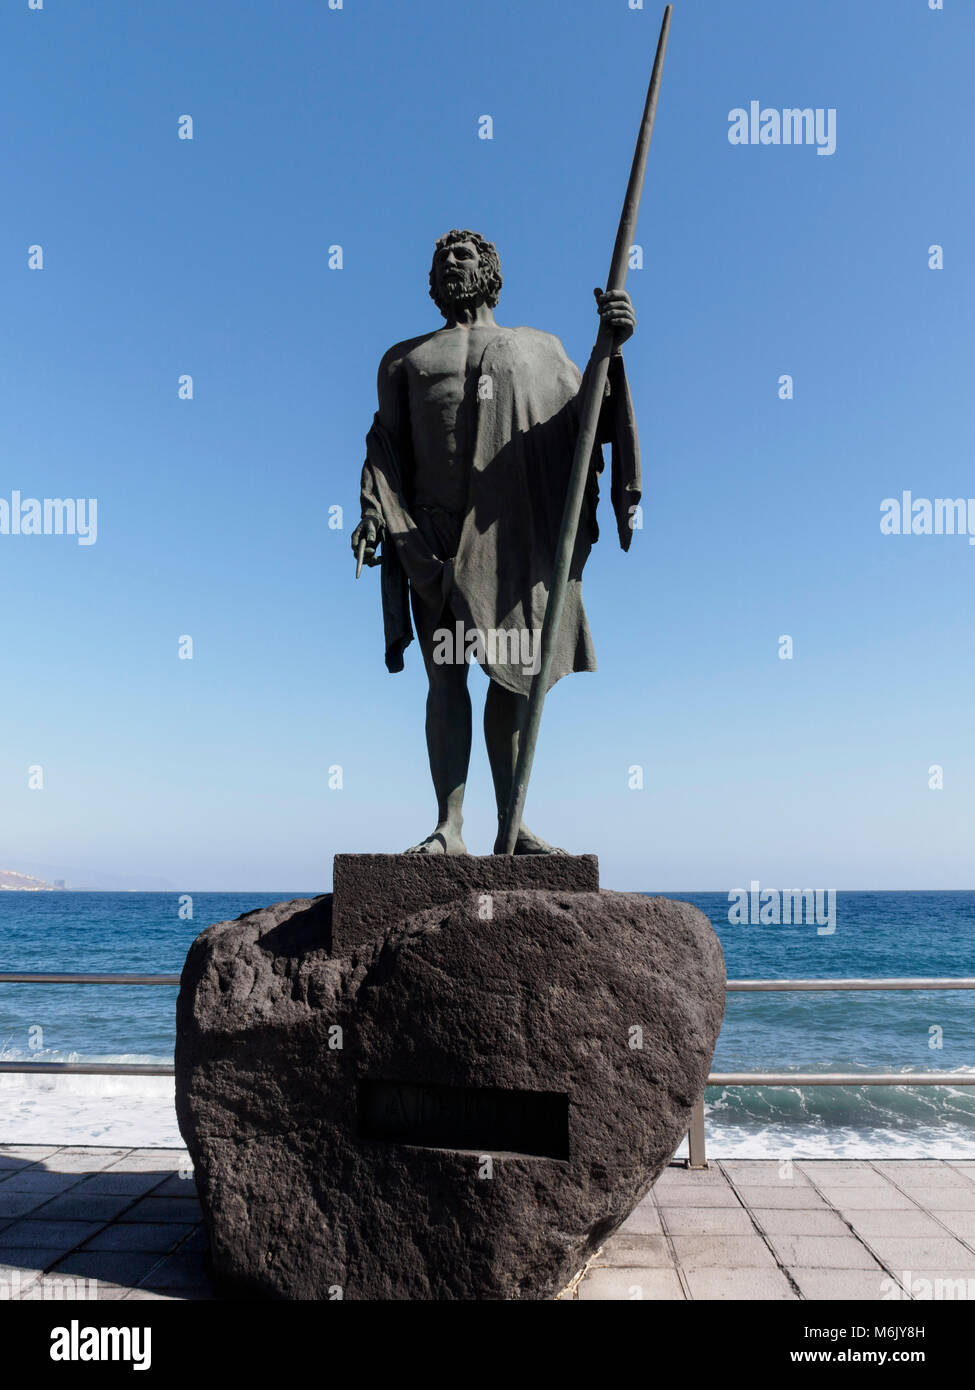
{"x":367,"y":886}
{"x":452,"y":1082}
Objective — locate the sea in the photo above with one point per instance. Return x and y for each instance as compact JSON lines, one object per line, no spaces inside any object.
{"x":873,"y":935}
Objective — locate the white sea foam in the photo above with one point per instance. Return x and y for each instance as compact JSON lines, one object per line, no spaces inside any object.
{"x":128,"y":1111}
{"x":780,"y":1141}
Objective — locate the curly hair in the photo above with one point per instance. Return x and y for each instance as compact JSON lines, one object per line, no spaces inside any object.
{"x":489,"y":269}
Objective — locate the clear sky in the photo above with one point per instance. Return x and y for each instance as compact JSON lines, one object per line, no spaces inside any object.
{"x":359,"y":127}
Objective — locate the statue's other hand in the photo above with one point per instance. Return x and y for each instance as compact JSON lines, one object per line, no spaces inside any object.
{"x":616,"y":311}
{"x":369,"y":531}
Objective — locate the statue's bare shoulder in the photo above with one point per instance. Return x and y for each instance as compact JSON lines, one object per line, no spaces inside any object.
{"x":392,"y":386}
{"x":396,"y":357}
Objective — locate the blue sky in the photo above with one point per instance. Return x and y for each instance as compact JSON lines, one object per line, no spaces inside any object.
{"x":359,"y":127}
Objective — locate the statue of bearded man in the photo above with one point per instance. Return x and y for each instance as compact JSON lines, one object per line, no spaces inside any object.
{"x":466,"y":472}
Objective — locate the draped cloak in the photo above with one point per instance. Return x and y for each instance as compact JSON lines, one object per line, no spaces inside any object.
{"x":527,"y":421}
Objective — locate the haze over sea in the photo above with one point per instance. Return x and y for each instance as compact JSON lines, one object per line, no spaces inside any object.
{"x":877,"y":935}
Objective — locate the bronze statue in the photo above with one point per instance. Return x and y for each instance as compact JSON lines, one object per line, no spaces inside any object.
{"x":466,"y":474}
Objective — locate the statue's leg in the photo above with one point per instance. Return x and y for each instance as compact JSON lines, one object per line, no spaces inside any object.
{"x":504,"y":717}
{"x":448,"y":729}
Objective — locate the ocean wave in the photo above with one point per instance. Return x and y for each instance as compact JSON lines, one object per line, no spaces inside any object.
{"x":53,"y":1054}
{"x":841,"y":1121}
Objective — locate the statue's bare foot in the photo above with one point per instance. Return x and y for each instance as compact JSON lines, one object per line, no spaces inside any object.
{"x":529,"y":843}
{"x":444,"y":840}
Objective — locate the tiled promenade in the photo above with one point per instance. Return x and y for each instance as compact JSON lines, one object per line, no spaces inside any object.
{"x":123,"y":1217}
{"x":805,"y":1230}
{"x":127,"y":1219}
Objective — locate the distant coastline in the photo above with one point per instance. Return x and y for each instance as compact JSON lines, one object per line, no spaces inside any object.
{"x":13,"y":882}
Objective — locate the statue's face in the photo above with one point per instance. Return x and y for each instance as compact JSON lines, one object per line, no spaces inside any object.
{"x":456,"y":271}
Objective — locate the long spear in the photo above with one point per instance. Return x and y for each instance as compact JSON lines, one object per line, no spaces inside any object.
{"x":591,"y":405}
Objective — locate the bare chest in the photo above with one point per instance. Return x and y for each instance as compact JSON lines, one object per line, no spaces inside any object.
{"x":445,"y":371}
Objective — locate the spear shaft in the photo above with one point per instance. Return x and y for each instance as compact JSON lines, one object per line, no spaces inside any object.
{"x":590,"y":406}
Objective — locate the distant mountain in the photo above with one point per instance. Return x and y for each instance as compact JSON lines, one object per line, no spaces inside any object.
{"x":79,"y":878}
{"x":11,"y":881}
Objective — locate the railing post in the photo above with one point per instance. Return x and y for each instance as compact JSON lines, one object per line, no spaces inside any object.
{"x":697,"y":1154}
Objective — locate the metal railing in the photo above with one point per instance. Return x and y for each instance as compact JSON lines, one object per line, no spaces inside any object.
{"x":35,"y":979}
{"x":696,"y":1137}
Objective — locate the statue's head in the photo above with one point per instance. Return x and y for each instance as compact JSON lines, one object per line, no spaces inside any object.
{"x":465,"y":269}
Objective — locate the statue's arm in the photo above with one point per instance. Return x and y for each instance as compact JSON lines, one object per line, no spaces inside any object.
{"x":393,"y":415}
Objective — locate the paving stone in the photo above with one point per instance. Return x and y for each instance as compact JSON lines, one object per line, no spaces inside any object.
{"x":177,"y":1271}
{"x":840,"y":1194}
{"x":118,"y":1267}
{"x":110,"y":1293}
{"x":16,"y":1155}
{"x":37,"y":1180}
{"x":638,"y":1251}
{"x":14,"y":1279}
{"x":919,"y":1186}
{"x":643,"y":1220}
{"x":147,"y":1296}
{"x":82,"y":1160}
{"x":739,"y":1283}
{"x":847,"y":1285}
{"x":161,"y":1237}
{"x":895,"y":1223}
{"x":176,"y":1186}
{"x":750,"y":1172}
{"x":27,"y":1260}
{"x":77,"y":1206}
{"x":794,"y":1221}
{"x":194,"y":1293}
{"x":163,"y":1161}
{"x":728,"y":1252}
{"x":822,"y":1252}
{"x":700,"y":1197}
{"x":679,"y":1176}
{"x":829,"y":1178}
{"x":164,"y":1209}
{"x":943,"y":1198}
{"x":117,"y":1183}
{"x":61,"y":1288}
{"x":630,"y":1284}
{"x":905,"y":1170}
{"x":26,"y":1288}
{"x":871,"y":1199}
{"x":708,"y":1221}
{"x":161,"y":1169}
{"x":785,"y":1195}
{"x":19,"y":1203}
{"x":922,"y":1252}
{"x":46,"y":1235}
{"x":833,"y":1165}
{"x":167,"y":1156}
{"x":960,"y":1223}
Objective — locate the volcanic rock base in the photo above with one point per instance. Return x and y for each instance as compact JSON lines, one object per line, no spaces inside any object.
{"x":461,"y":1104}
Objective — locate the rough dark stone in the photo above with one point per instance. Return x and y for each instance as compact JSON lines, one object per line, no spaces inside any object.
{"x":510,"y":1039}
{"x":366,"y":885}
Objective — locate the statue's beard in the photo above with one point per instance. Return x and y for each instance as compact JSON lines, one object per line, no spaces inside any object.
{"x":464,"y":292}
